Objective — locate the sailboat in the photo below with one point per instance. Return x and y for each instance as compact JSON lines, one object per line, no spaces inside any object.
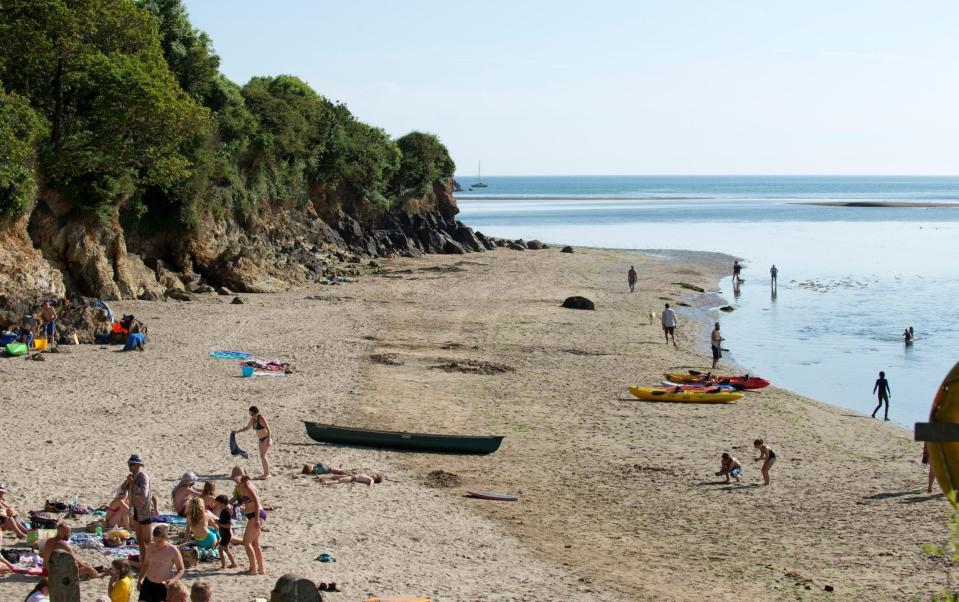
{"x":479,"y":177}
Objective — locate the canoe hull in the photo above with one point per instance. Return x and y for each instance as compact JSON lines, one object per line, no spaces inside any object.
{"x":738,"y":382}
{"x":424,"y":442}
{"x":944,"y":456}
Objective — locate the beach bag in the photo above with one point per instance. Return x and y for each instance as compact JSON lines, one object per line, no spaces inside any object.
{"x":43,"y":520}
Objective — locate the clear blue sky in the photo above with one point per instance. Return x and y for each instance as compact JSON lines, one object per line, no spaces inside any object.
{"x":625,"y":87}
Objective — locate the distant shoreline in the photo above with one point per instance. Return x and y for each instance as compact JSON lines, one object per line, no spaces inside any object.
{"x":577,"y":197}
{"x":877,"y":204}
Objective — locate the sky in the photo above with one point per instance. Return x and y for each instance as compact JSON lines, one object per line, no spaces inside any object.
{"x":625,"y":87}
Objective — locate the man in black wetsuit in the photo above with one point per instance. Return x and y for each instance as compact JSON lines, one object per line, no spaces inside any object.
{"x":882,"y":387}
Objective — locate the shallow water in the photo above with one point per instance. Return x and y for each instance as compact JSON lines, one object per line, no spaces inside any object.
{"x":850,"y":280}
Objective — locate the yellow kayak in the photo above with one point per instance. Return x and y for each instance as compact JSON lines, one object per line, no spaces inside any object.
{"x":670,"y":394}
{"x":944,"y":457}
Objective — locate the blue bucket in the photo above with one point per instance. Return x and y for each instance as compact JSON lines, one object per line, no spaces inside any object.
{"x":248,"y":371}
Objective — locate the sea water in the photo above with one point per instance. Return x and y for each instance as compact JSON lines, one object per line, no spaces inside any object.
{"x":851,"y":279}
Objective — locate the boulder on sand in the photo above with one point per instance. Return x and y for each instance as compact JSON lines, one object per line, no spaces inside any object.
{"x":534,"y":245}
{"x":566,"y":250}
{"x":578,"y":303}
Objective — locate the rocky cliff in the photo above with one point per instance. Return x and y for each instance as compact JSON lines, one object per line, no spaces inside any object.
{"x":53,"y":251}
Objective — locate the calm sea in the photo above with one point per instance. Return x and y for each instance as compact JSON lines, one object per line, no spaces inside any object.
{"x":851,"y":279}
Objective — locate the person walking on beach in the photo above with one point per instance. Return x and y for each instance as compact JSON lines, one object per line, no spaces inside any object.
{"x":765,"y":453}
{"x":669,"y":324}
{"x":716,"y":341}
{"x":137,"y":484}
{"x":736,"y":270}
{"x":631,"y":279}
{"x":162,"y":567}
{"x":259,"y":425}
{"x":773,"y":274}
{"x":882,"y":388}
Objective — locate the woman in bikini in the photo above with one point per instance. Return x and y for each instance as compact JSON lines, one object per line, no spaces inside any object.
{"x":765,"y":453}
{"x":198,"y":520}
{"x":262,"y":429}
{"x":251,"y":534}
{"x":118,"y":512}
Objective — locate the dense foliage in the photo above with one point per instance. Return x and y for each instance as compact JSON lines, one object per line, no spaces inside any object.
{"x":123,"y":103}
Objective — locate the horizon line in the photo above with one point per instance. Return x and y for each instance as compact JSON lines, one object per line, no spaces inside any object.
{"x":718,"y":175}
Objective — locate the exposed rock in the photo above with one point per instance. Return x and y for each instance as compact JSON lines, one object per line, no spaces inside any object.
{"x":203,"y":289}
{"x":466,"y":237}
{"x":535,"y":245}
{"x":520,"y":242}
{"x":169,"y":280}
{"x":578,"y":303}
{"x":516,"y":247}
{"x":691,"y":287}
{"x":26,"y":277}
{"x":179,"y":295}
{"x":451,"y":247}
{"x":727,"y":308}
{"x":566,"y":249}
{"x":222,"y":290}
{"x":237,"y":301}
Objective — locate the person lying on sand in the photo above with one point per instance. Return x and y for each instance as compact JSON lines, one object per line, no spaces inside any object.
{"x":356,"y":478}
{"x":730,"y":467}
{"x":61,"y":541}
{"x":321,"y":468}
{"x":118,"y":512}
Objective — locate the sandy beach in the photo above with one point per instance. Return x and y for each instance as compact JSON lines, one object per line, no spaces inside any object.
{"x":617,"y":497}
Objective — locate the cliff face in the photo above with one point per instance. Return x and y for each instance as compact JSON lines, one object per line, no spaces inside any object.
{"x":54,"y":251}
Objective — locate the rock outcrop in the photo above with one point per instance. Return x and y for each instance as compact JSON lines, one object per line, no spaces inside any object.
{"x":578,"y":303}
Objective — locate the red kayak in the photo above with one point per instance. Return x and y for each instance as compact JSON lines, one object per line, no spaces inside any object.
{"x":741,"y":382}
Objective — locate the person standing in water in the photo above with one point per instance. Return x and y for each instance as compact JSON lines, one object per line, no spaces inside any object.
{"x":262,"y":429}
{"x":882,"y":388}
{"x":631,"y":279}
{"x":716,"y":341}
{"x":736,"y":270}
{"x":773,"y":274}
{"x":669,"y":324}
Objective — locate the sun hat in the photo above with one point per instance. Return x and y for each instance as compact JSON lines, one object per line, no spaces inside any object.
{"x":135,"y":459}
{"x":188,"y":477}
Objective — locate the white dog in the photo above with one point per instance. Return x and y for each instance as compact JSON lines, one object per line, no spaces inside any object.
{"x":652,"y":318}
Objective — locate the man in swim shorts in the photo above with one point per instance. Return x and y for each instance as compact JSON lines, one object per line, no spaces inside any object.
{"x":716,"y":341}
{"x":162,"y":566}
{"x":669,"y":324}
{"x":49,"y":316}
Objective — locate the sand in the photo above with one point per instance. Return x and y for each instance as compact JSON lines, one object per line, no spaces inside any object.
{"x":618,"y":500}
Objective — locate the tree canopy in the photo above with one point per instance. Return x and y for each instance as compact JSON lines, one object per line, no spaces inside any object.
{"x":122,"y":104}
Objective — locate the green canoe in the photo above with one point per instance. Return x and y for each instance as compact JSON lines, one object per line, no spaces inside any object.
{"x":449,"y":444}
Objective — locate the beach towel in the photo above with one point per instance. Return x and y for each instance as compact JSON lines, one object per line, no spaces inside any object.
{"x":235,"y":449}
{"x":231,"y":355}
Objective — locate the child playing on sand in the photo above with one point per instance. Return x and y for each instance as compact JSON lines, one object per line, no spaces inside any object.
{"x":730,"y":467}
{"x":765,"y":453}
{"x":356,"y":478}
{"x":224,"y":522}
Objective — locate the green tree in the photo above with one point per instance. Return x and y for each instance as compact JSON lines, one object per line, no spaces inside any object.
{"x":95,"y":70}
{"x":20,"y":128}
{"x":425,"y":161}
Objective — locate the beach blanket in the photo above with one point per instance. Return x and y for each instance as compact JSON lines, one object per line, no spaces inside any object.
{"x":231,"y":355}
{"x":170,"y":519}
{"x":270,"y":366}
{"x":235,"y":449}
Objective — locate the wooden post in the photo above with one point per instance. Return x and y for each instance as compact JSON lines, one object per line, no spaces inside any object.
{"x":292,"y":588}
{"x":63,"y":577}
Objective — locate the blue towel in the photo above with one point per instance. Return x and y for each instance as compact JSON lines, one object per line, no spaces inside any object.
{"x":231,"y":355}
{"x":134,"y":340}
{"x":235,"y":449}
